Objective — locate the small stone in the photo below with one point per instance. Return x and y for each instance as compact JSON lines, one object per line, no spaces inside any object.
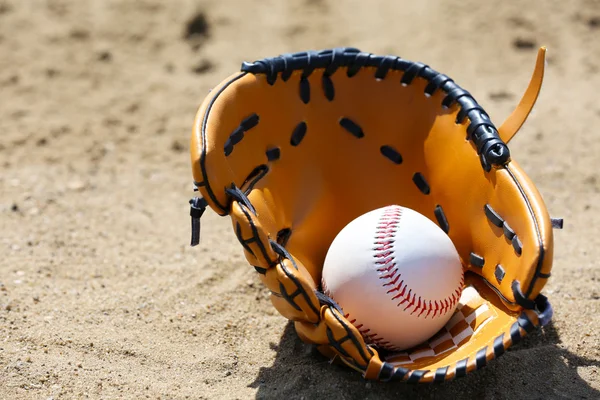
{"x":79,"y":34}
{"x":105,"y":56}
{"x":523,"y":44}
{"x":76,"y":185}
{"x":368,"y":385}
{"x":177,"y":146}
{"x":203,"y":67}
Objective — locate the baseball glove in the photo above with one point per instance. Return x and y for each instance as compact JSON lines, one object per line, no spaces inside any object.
{"x":294,"y":147}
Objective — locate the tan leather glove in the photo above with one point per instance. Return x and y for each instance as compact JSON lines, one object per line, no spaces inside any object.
{"x":294,"y":147}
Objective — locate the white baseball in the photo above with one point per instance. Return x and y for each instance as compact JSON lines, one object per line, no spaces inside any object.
{"x":396,"y":275}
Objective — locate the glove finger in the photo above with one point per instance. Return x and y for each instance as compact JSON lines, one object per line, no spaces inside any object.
{"x":340,"y":338}
{"x":292,"y":288}
{"x":252,"y":236}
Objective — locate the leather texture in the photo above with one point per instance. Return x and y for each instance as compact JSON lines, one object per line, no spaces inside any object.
{"x":293,"y":156}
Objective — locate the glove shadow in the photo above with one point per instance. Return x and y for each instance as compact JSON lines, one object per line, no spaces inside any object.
{"x":538,"y":367}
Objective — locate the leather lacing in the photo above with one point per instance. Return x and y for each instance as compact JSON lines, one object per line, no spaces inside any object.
{"x":480,"y":129}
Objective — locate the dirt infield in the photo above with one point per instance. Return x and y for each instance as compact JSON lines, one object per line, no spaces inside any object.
{"x":101,"y":295}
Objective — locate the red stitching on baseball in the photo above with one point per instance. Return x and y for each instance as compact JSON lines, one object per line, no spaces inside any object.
{"x":386,"y":269}
{"x":385,"y":233}
{"x":372,"y":337}
{"x":391,"y":276}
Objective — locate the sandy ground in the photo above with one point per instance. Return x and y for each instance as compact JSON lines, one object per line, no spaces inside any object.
{"x":100,"y":294}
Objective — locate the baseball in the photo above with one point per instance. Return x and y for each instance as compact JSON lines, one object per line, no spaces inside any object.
{"x":396,"y":275}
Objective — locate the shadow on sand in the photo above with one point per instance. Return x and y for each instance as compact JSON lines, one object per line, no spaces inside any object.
{"x":536,"y":368}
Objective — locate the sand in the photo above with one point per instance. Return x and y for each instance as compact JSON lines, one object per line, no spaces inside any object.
{"x":101,"y":295}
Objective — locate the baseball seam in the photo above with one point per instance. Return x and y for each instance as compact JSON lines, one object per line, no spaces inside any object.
{"x":384,"y":240}
{"x":369,"y":336}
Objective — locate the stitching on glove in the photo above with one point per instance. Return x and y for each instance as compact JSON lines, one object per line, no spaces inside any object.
{"x":354,"y":339}
{"x":389,"y":373}
{"x":499,"y":273}
{"x":298,"y":134}
{"x":416,"y":375}
{"x":498,"y":346}
{"x":359,"y":62}
{"x":328,"y":89}
{"x":273,"y":154}
{"x":253,"y":177}
{"x":477,"y":260}
{"x":255,"y":236}
{"x":437,"y":82}
{"x":333,"y":63}
{"x":453,"y":96}
{"x":415,"y":70}
{"x":386,"y":372}
{"x":493,"y":216}
{"x":441,"y":218}
{"x":391,"y":154}
{"x":510,"y":234}
{"x":240,"y":197}
{"x":440,"y":374}
{"x":520,"y":298}
{"x":508,"y":231}
{"x":244,"y":242}
{"x":351,"y":127}
{"x":238,"y":133}
{"x":461,"y":368}
{"x":284,"y":254}
{"x":304,"y":90}
{"x":518,"y":245}
{"x":337,"y":344}
{"x":324,"y":299}
{"x":421,"y":183}
{"x":469,"y":104}
{"x":384,"y":67}
{"x":290,"y":297}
